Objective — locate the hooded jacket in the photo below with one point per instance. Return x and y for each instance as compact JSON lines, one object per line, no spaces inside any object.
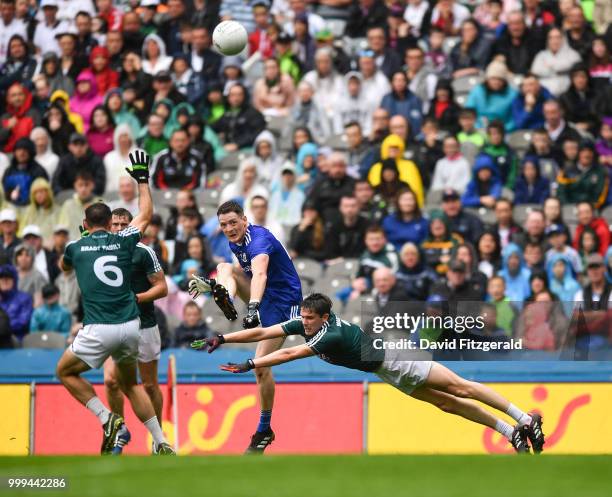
{"x":84,"y":103}
{"x":17,"y":70}
{"x":354,"y":109}
{"x":531,"y":193}
{"x":62,"y":98}
{"x":241,"y":126}
{"x":552,"y":69}
{"x":269,"y":170}
{"x":533,"y":119}
{"x":69,"y":166}
{"x":600,"y":227}
{"x":100,"y":142}
{"x":57,"y":79}
{"x":26,"y":119}
{"x":114,"y":161}
{"x":517,"y":285}
{"x":16,"y":304}
{"x":106,"y":78}
{"x":567,"y":287}
{"x":590,"y":185}
{"x":416,"y":281}
{"x":163,"y":61}
{"x":408,"y":171}
{"x":43,"y":216}
{"x":60,"y":137}
{"x":477,"y":188}
{"x":21,"y":176}
{"x":492,"y":105}
{"x":47,"y":159}
{"x":124,"y":115}
{"x":306,"y":150}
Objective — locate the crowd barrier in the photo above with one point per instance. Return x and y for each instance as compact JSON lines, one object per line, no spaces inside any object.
{"x":319,"y":408}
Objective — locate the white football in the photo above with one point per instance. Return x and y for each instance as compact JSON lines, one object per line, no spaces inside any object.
{"x":230,"y":37}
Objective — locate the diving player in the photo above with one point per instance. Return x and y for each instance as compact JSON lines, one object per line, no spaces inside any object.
{"x":268,"y":282}
{"x":103,"y":265}
{"x":148,"y":284}
{"x":345,"y":344}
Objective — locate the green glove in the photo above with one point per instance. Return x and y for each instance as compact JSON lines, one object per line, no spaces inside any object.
{"x":83,"y":232}
{"x":139,"y":169}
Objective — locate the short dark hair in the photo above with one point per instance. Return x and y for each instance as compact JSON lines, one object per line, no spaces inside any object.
{"x":350,"y":124}
{"x":498,"y":125}
{"x":317,"y":302}
{"x":49,"y":290}
{"x":121,"y":212}
{"x":230,"y":206}
{"x":98,"y":215}
{"x":467,"y":112}
{"x":259,"y":197}
{"x":375,"y":228}
{"x":84,"y":175}
{"x":189,"y":212}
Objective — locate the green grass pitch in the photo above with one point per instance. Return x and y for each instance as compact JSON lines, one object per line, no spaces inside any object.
{"x":317,"y":476}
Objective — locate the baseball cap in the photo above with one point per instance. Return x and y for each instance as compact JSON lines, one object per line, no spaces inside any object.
{"x":60,"y":228}
{"x":77,"y":138}
{"x":457,"y":266}
{"x":450,"y":194}
{"x":594,"y":260}
{"x":6,"y":272}
{"x":288,"y":167}
{"x":284,"y":37}
{"x":49,"y":3}
{"x":324,"y":34}
{"x":31,"y":230}
{"x":554,"y":229}
{"x":149,"y":3}
{"x":162,"y":76}
{"x":8,"y":215}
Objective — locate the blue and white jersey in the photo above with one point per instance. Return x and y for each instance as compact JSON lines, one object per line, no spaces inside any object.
{"x":283,"y":284}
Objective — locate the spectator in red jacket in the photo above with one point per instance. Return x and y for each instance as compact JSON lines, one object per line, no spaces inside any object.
{"x":19,"y":118}
{"x":586,"y":218}
{"x":259,"y":40}
{"x":106,"y":78}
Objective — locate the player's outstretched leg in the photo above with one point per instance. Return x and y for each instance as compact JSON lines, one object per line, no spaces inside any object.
{"x":69,"y":369}
{"x":443,"y":379}
{"x":148,"y":376}
{"x":141,"y":405}
{"x":114,"y":395}
{"x":473,"y":412}
{"x":264,"y":435}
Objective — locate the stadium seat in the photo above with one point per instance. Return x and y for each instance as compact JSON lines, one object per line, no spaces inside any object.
{"x":111,"y":197}
{"x":345,"y":268}
{"x":330,"y":285}
{"x":433,"y":199}
{"x":354,"y":45}
{"x":520,"y":140}
{"x":449,"y":43}
{"x":336,"y":26}
{"x":164,"y":197}
{"x":606,"y":214}
{"x":231,"y":161}
{"x":463,"y":86}
{"x":569,"y":213}
{"x":507,"y":193}
{"x":44,"y":340}
{"x":62,"y":196}
{"x":309,"y":268}
{"x":356,"y":312}
{"x":209,"y":197}
{"x":487,"y":216}
{"x":469,"y":151}
{"x":520,"y":212}
{"x":337,"y":142}
{"x":276,"y":124}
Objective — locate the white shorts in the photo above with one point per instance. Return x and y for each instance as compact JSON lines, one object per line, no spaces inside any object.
{"x":406,"y":376}
{"x":96,"y":342}
{"x":149,"y":345}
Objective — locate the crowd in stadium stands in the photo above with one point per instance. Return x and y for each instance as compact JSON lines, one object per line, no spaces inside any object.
{"x":459,"y":150}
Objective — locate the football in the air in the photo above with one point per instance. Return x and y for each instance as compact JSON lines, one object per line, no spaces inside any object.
{"x":230,"y":37}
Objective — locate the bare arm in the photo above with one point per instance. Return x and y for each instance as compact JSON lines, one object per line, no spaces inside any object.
{"x":145,"y":208}
{"x":254,"y":334}
{"x":158,"y":290}
{"x":259,"y":268}
{"x":63,"y":265}
{"x":283,"y":355}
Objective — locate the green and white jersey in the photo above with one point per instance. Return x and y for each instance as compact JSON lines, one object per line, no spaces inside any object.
{"x":103,"y":265}
{"x":144,"y":264}
{"x":340,"y":342}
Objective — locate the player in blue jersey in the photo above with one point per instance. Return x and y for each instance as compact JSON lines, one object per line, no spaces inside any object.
{"x":267,"y":281}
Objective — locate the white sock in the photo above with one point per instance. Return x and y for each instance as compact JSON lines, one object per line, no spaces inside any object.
{"x":519,"y":416}
{"x":504,"y":428}
{"x":96,"y":406}
{"x":156,"y":431}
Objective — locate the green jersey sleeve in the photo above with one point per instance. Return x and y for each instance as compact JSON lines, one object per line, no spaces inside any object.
{"x":325,"y":342}
{"x":129,"y":237}
{"x":150,"y":261}
{"x":293,"y":327}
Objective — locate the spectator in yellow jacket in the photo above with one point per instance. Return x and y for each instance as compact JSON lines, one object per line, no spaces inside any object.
{"x":393,"y":147}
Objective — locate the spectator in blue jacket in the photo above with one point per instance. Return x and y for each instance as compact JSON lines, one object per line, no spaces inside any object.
{"x":515,"y":273}
{"x":485,"y":186}
{"x":22,"y":172}
{"x":16,"y":304}
{"x":407,"y":224}
{"x":51,"y":316}
{"x":403,"y":102}
{"x":493,"y":99}
{"x":528,"y":105}
{"x":530,"y":186}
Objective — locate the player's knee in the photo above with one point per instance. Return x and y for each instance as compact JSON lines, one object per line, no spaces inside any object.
{"x":111,"y":383}
{"x":151,"y":387}
{"x":224,"y":268}
{"x":263,"y":375}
